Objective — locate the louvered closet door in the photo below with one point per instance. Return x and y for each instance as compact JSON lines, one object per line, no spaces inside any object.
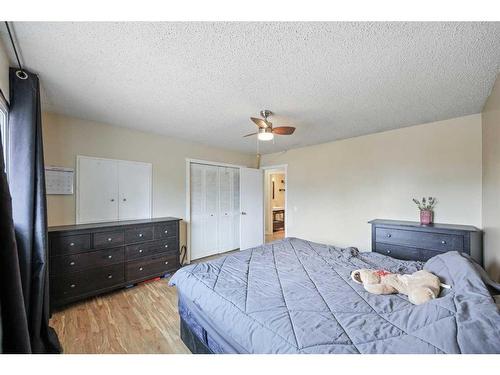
{"x":211,"y":227}
{"x":204,"y":210}
{"x":197,"y":210}
{"x":236,"y":209}
{"x":226,"y":209}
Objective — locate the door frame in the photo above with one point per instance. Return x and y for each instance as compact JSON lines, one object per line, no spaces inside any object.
{"x":187,"y":219}
{"x":284,"y":167}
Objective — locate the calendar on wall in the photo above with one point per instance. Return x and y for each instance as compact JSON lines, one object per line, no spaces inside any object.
{"x":59,"y":180}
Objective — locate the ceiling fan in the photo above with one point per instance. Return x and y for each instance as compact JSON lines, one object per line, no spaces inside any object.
{"x":266,"y":131}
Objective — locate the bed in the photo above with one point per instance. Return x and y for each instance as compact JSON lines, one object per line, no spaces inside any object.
{"x":296,"y":296}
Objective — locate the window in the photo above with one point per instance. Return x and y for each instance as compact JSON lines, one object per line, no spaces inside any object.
{"x":4,"y":131}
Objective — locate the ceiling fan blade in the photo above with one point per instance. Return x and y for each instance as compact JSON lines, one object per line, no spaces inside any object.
{"x":259,"y":122}
{"x":248,"y":135}
{"x":284,"y":130}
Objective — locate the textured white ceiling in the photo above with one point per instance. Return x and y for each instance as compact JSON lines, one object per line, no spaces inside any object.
{"x":202,"y":81}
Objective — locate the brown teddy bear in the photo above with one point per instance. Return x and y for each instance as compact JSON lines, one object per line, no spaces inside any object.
{"x":420,"y":287}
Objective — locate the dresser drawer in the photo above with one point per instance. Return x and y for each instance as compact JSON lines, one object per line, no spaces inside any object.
{"x":109,"y":239}
{"x":73,"y":263}
{"x":164,"y":230}
{"x":431,"y":241}
{"x":139,"y":234}
{"x":151,"y":248}
{"x":79,"y":283}
{"x":143,"y":268}
{"x":398,"y":252}
{"x":61,"y":245}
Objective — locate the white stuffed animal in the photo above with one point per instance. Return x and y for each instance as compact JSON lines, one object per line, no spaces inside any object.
{"x":420,"y":286}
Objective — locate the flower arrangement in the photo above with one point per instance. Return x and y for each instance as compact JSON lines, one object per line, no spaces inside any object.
{"x":426,"y":207}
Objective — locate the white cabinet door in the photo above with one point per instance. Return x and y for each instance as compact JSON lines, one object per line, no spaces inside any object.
{"x":252,"y":208}
{"x":134,"y":186}
{"x":97,"y":196}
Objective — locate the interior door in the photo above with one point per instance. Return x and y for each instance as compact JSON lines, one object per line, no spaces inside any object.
{"x":251,"y":207}
{"x":97,"y":190}
{"x":134,"y":185}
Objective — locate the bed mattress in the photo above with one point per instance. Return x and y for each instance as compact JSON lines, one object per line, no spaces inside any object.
{"x":296,"y":296}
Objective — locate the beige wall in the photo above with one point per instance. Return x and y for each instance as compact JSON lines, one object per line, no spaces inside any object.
{"x":333,"y":189}
{"x":66,"y":137}
{"x":491,"y":181}
{"x":4,"y":71}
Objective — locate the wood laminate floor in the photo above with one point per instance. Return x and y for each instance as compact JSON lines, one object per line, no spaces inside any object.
{"x":142,"y":319}
{"x":275,"y":236}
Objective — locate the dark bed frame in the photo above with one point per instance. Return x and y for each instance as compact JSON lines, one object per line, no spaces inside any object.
{"x":192,"y":341}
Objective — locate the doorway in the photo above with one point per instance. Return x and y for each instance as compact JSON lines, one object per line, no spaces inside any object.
{"x":275,"y":210}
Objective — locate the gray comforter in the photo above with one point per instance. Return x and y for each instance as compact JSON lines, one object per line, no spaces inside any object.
{"x":295,"y":296}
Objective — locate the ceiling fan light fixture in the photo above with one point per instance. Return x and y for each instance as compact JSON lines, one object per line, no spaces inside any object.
{"x":265,"y":134}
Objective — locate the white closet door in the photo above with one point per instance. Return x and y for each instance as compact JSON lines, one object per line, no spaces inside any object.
{"x":225,"y":209}
{"x":197,"y":225}
{"x":252,"y":208}
{"x":134,"y":185}
{"x":236,"y":209}
{"x":97,"y":199}
{"x":211,"y":225}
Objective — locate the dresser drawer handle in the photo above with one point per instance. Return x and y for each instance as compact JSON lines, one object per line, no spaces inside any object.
{"x":72,"y":286}
{"x":71,"y":244}
{"x":388,"y":251}
{"x":71,"y":263}
{"x":110,"y":256}
{"x":166,"y":262}
{"x":443,"y":242}
{"x":140,"y":268}
{"x":389,"y":235}
{"x":140,"y":250}
{"x":110,"y":239}
{"x":141,"y":235}
{"x":166,"y":232}
{"x":166,"y":246}
{"x":110,"y":276}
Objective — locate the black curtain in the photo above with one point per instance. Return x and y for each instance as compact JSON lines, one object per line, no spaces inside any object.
{"x":27,"y":276}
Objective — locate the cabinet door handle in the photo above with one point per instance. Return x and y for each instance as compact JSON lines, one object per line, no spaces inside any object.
{"x":443,"y":242}
{"x":141,"y":235}
{"x":166,"y":246}
{"x":389,"y":235}
{"x":72,"y":286}
{"x":243,"y":213}
{"x":166,"y":262}
{"x":140,"y":250}
{"x":112,"y":200}
{"x":71,"y":263}
{"x":124,"y":199}
{"x":166,"y":232}
{"x":71,"y":244}
{"x":110,"y":256}
{"x":388,"y":251}
{"x":140,"y":268}
{"x":110,"y":239}
{"x":110,"y":276}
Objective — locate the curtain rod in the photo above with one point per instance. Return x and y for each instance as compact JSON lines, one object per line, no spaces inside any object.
{"x":20,"y":73}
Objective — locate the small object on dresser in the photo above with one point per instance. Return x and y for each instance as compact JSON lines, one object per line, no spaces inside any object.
{"x":426,"y":207}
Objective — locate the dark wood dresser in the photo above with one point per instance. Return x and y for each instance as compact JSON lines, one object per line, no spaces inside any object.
{"x":89,"y":259}
{"x":412,"y":241}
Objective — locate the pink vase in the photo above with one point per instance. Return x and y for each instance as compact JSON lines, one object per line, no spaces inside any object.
{"x":426,"y":217}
